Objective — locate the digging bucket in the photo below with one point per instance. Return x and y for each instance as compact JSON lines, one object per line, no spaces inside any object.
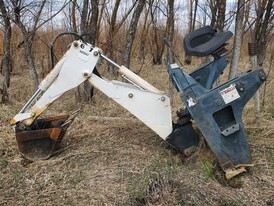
{"x":42,"y":138}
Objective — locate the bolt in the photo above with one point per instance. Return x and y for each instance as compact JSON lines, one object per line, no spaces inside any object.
{"x":262,"y":76}
{"x":86,"y":74}
{"x":75,"y":44}
{"x":218,"y":102}
{"x":240,"y":87}
{"x":95,"y":53}
{"x":198,"y":78}
{"x":163,"y":99}
{"x":130,"y":95}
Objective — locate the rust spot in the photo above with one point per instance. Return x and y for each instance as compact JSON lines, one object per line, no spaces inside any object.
{"x":12,"y":122}
{"x":42,"y":138}
{"x":230,"y":173}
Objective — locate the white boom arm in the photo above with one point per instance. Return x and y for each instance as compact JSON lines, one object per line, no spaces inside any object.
{"x":140,"y":98}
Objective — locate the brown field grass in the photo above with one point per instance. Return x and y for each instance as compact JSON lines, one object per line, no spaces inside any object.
{"x":108,"y":157}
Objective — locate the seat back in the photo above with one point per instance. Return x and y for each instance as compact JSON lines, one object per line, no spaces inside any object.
{"x":205,"y":41}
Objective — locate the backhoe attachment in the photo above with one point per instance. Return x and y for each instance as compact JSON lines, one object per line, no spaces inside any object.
{"x":216,"y":111}
{"x":39,"y":138}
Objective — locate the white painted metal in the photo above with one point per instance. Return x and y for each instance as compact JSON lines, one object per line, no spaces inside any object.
{"x":44,"y":85}
{"x":76,"y":67}
{"x":151,"y":108}
{"x":47,"y":81}
{"x":137,"y":80}
{"x":20,"y":117}
{"x":143,"y":100}
{"x":132,"y":77}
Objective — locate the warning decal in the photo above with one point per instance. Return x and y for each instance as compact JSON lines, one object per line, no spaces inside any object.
{"x":230,"y":94}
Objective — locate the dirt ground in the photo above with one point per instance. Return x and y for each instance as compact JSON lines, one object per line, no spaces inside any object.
{"x":108,"y":157}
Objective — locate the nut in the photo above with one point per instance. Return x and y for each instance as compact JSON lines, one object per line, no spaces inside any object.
{"x":75,"y":44}
{"x":95,"y":53}
{"x":86,"y":74}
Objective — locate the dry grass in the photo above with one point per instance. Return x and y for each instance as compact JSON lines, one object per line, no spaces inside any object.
{"x":119,"y":161}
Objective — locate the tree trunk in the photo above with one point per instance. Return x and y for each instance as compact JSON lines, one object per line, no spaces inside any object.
{"x":114,"y":27}
{"x":262,"y":36}
{"x":28,"y":36}
{"x":29,"y":25}
{"x":132,"y":31}
{"x":190,"y":16}
{"x":170,"y":36}
{"x":6,"y":61}
{"x":100,"y":16}
{"x":170,"y":28}
{"x":246,"y":15}
{"x":157,"y":46}
{"x":221,"y":15}
{"x":92,"y":30}
{"x":84,"y":17}
{"x":190,"y":28}
{"x":256,"y":97}
{"x":111,"y":32}
{"x":143,"y":36}
{"x":237,"y":39}
{"x":30,"y":60}
{"x":94,"y":21}
{"x":213,"y":5}
{"x":217,"y":9}
{"x":263,"y":28}
{"x":73,"y":16}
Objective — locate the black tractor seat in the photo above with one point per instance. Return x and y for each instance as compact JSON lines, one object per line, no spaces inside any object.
{"x":205,"y":41}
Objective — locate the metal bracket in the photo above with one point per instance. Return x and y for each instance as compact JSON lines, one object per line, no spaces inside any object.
{"x":230,"y":130}
{"x":217,"y":108}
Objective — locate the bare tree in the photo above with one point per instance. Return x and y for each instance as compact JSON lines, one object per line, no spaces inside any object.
{"x":158,"y":31}
{"x":114,"y":26}
{"x":143,"y":36}
{"x":263,"y":27}
{"x":170,"y":27}
{"x":217,"y":9}
{"x":237,"y":38}
{"x":256,"y":97}
{"x":246,"y":15}
{"x":28,"y":36}
{"x":221,"y":15}
{"x":170,"y":36}
{"x":84,"y":17}
{"x":191,"y":24}
{"x":132,"y":30}
{"x":262,"y":35}
{"x":90,"y":27}
{"x":100,"y":17}
{"x":6,"y":61}
{"x":73,"y":16}
{"x":93,"y":29}
{"x":34,"y":9}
